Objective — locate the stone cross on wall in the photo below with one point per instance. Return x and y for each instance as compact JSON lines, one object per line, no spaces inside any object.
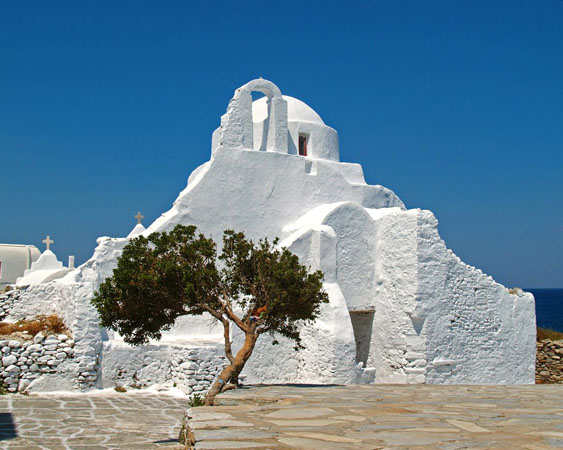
{"x":47,"y":241}
{"x":139,"y":217}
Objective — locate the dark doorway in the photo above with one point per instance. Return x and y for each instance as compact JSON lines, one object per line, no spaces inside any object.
{"x":362,"y":322}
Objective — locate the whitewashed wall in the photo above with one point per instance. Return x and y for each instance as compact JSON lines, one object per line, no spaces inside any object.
{"x":435,"y":319}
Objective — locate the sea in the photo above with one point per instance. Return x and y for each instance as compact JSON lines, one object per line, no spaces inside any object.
{"x":549,"y":308}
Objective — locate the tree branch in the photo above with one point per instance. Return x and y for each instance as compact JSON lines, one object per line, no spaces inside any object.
{"x":228,"y":348}
{"x":211,"y":311}
{"x":231,"y":315}
{"x":236,"y":319}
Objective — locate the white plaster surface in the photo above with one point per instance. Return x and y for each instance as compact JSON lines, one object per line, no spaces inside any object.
{"x":46,"y":268}
{"x":14,"y":261}
{"x":435,"y":319}
{"x":138,"y":229}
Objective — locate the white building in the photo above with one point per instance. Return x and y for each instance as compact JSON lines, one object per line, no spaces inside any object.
{"x":47,"y":268}
{"x":14,"y":261}
{"x":403,"y":308}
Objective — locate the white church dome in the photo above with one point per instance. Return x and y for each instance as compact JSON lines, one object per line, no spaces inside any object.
{"x":297,"y":111}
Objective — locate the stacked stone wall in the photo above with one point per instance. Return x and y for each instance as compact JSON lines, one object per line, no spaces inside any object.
{"x":194,"y":373}
{"x":190,"y":369}
{"x":23,"y":362}
{"x":549,"y":361}
{"x":7,"y":301}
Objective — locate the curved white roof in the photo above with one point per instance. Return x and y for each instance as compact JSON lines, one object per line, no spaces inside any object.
{"x":297,"y":111}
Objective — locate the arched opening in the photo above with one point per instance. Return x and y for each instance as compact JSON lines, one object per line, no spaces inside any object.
{"x":260,"y":120}
{"x":237,"y":124}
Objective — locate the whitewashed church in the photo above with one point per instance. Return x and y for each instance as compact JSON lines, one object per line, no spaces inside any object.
{"x":403,"y":307}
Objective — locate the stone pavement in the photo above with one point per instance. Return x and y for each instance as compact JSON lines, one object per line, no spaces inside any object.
{"x":131,"y":420}
{"x":293,"y":417}
{"x":382,"y":416}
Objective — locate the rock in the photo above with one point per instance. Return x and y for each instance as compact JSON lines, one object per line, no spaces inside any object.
{"x":34,"y":348}
{"x":13,"y":369}
{"x":34,"y":368}
{"x":62,"y":337}
{"x":61,"y":355}
{"x":188,"y":365}
{"x":50,"y":347}
{"x":39,"y":337}
{"x":186,"y":389}
{"x":9,"y":360}
{"x":14,"y":344}
{"x":23,"y":384}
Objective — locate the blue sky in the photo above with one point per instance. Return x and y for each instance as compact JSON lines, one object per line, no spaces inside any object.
{"x":457,"y":106}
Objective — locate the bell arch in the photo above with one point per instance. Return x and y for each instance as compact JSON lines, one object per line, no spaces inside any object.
{"x":236,"y":124}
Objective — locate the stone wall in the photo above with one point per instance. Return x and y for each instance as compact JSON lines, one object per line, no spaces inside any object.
{"x":23,"y":362}
{"x":6,"y":301}
{"x":549,"y":361}
{"x":191,"y":369}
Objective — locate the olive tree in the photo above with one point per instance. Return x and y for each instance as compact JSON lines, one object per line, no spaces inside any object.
{"x":257,"y":286}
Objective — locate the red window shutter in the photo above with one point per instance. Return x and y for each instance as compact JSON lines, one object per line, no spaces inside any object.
{"x":302,"y":145}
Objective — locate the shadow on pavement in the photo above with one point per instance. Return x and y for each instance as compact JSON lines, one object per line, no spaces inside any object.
{"x":7,"y":427}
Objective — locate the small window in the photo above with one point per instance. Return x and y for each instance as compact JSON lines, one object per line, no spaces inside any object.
{"x":302,"y":145}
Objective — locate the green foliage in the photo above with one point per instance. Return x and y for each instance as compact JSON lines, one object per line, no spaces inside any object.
{"x":3,"y":390}
{"x":196,"y":401}
{"x":170,"y":274}
{"x":158,"y":279}
{"x":258,"y":275}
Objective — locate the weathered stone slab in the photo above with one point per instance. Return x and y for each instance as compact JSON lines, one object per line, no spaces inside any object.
{"x":305,"y":422}
{"x":211,"y":424}
{"x":323,"y":437}
{"x":236,"y":434}
{"x":300,"y":413}
{"x":228,"y":445}
{"x":467,"y":426}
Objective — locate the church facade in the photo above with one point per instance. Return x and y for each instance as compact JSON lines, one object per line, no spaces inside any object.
{"x":403,"y":307}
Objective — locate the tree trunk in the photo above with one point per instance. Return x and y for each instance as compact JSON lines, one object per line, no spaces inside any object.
{"x":232,"y":369}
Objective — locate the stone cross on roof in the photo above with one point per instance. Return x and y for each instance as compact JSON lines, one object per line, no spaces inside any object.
{"x":48,"y":241}
{"x":139,"y":217}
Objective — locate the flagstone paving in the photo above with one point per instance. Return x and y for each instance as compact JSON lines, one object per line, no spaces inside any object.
{"x":382,"y":416}
{"x":294,"y":417}
{"x":128,"y":420}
